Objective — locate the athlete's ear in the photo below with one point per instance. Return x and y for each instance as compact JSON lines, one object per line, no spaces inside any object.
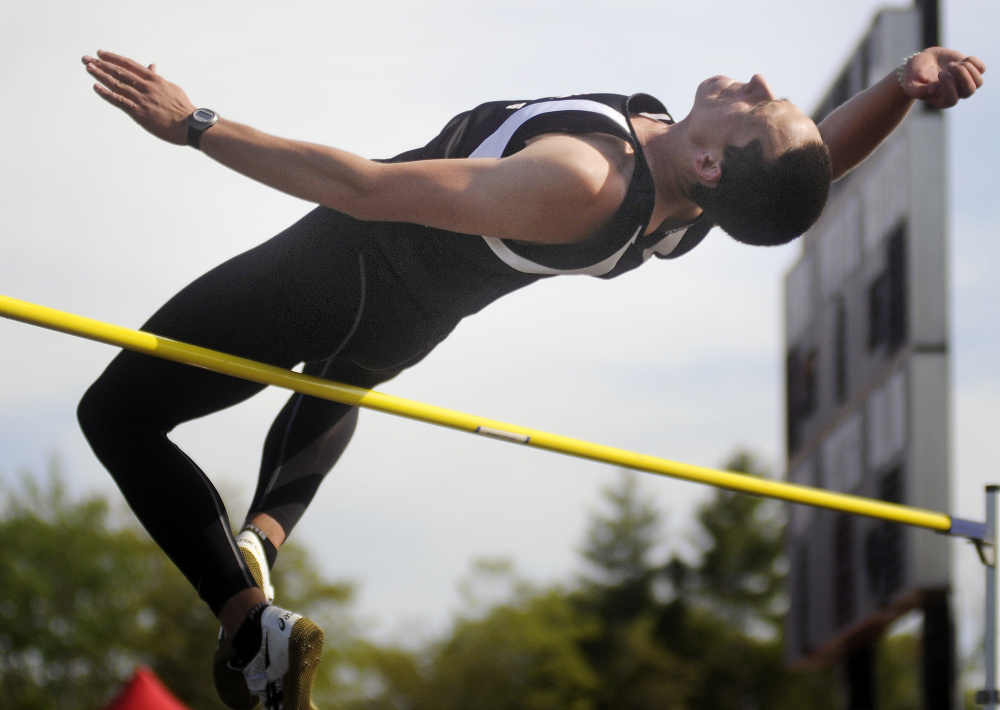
{"x":708,"y":165}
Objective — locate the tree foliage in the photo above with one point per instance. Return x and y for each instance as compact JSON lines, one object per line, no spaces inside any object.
{"x":85,"y":598}
{"x":740,"y":574}
{"x":703,"y":634}
{"x":521,"y":653}
{"x":640,"y":629}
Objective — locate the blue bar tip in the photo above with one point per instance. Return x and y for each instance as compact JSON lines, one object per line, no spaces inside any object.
{"x":968,"y":529}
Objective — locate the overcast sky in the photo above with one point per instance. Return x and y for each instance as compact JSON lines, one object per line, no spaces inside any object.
{"x":679,"y":359}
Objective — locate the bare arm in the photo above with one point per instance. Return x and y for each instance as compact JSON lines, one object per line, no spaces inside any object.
{"x":936,"y":75}
{"x":559,"y":189}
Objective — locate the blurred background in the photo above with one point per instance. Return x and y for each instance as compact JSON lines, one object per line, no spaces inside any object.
{"x":679,"y":359}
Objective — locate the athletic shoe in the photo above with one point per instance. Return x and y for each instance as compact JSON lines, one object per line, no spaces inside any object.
{"x":253,"y":554}
{"x":282,"y":672}
{"x":229,"y":682}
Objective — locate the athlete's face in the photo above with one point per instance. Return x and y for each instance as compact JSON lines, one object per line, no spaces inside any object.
{"x":729,"y":112}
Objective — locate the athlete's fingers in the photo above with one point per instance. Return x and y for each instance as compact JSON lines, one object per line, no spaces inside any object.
{"x":122,"y":75}
{"x":947,"y":95}
{"x":125,"y":64}
{"x":964,"y":83}
{"x":968,"y":78}
{"x":937,"y":93}
{"x":113,"y":84}
{"x":977,"y":63}
{"x":975,"y":71}
{"x":160,"y":107}
{"x":115,"y":99}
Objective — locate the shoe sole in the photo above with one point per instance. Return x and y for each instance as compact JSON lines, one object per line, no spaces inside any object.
{"x":305,"y":648}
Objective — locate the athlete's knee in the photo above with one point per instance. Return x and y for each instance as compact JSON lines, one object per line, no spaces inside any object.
{"x":118,"y":438}
{"x":105,"y":412}
{"x":94,"y":414}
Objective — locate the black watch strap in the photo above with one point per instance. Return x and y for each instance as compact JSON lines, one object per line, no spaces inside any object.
{"x":198,"y":122}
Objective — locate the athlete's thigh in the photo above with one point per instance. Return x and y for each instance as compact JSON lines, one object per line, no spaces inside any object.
{"x":289,"y":300}
{"x":321,"y":425}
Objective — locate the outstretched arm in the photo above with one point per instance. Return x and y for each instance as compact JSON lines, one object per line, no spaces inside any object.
{"x":559,"y":189}
{"x":936,"y":75}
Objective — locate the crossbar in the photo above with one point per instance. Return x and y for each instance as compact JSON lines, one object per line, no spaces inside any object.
{"x":147,"y":343}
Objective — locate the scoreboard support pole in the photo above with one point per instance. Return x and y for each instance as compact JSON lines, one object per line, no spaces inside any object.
{"x":990,"y":696}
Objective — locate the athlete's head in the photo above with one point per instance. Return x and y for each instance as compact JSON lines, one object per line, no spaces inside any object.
{"x":763,"y":172}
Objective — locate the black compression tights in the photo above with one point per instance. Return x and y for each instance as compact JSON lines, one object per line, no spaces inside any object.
{"x":298,"y":298}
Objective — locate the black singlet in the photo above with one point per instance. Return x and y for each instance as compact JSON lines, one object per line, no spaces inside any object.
{"x":357,"y":302}
{"x":502,"y":128}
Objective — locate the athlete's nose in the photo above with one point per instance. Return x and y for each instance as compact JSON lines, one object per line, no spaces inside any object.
{"x":758,"y":90}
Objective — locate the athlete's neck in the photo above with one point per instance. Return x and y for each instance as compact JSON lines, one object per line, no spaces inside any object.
{"x":663,"y":147}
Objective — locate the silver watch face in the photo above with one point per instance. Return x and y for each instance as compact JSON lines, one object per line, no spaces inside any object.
{"x":205,"y":116}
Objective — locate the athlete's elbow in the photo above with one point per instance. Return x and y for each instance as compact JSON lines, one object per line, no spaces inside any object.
{"x":363,"y":196}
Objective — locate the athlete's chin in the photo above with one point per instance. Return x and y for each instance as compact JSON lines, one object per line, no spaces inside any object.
{"x":714,"y":85}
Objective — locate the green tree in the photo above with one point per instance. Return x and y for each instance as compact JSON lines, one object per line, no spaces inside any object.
{"x":85,"y":599}
{"x":728,"y":607}
{"x":523,"y":652}
{"x":703,"y":634}
{"x":639,"y":630}
{"x":898,"y":679}
{"x":618,"y":551}
{"x":619,"y":588}
{"x":740,"y":572}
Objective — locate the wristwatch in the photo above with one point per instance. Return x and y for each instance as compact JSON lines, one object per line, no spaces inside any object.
{"x":198,"y":122}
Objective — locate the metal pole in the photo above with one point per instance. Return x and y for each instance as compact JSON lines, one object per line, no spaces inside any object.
{"x":173,"y":350}
{"x":987,"y":549}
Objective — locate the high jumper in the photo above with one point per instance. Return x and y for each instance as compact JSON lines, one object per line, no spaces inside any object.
{"x":399,"y":251}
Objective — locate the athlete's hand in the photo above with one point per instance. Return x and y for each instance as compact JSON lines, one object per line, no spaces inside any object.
{"x":942,"y":76}
{"x":154,"y":103}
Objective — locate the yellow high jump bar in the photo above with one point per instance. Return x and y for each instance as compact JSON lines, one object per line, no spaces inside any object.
{"x":142,"y":342}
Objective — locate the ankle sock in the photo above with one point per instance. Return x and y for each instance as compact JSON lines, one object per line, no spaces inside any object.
{"x":247,"y":640}
{"x":270,"y":551}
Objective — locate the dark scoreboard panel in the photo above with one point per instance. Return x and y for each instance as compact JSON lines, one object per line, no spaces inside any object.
{"x":867,"y":373}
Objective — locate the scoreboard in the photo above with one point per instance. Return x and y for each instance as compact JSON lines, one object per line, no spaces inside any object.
{"x":867,"y":373}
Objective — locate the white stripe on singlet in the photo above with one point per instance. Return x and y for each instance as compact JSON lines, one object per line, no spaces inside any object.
{"x":526,"y":266}
{"x":494,"y":146}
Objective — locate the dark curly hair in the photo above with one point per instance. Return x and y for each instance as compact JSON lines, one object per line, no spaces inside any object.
{"x":767,"y":202}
